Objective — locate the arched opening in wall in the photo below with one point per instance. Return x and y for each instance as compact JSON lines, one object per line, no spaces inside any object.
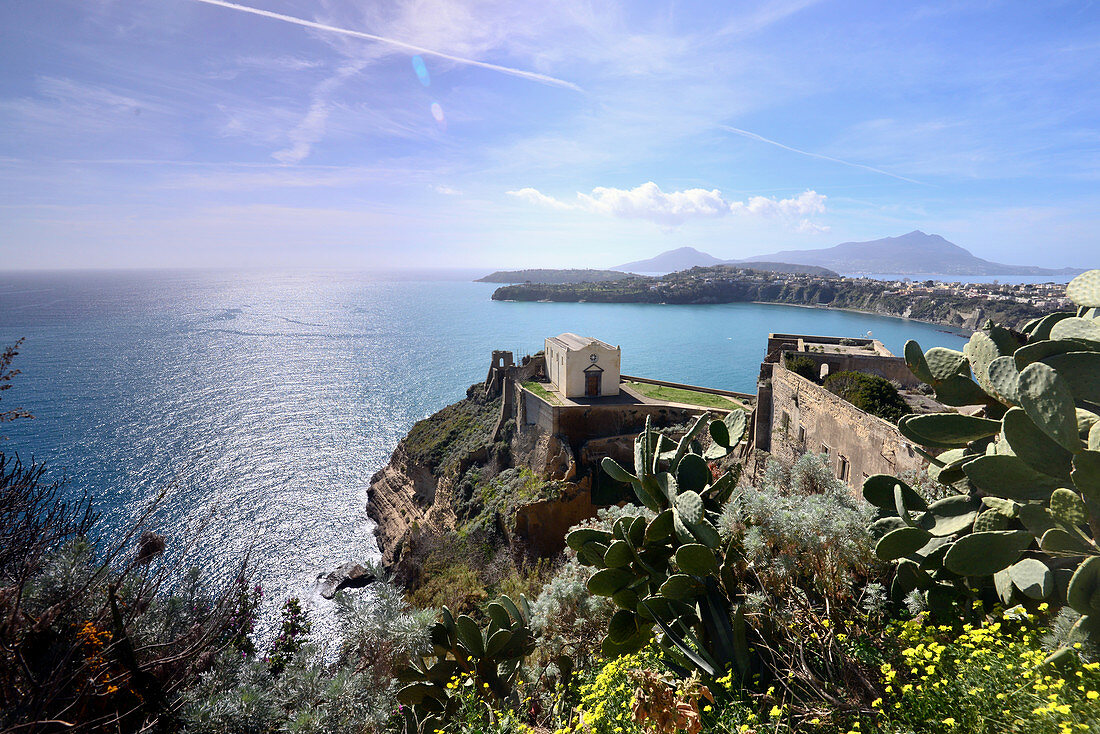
{"x":824,"y":371}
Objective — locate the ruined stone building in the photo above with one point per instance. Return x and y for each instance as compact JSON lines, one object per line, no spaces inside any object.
{"x":795,"y":415}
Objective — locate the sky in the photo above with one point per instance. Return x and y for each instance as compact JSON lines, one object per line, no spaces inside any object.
{"x":575,"y":133}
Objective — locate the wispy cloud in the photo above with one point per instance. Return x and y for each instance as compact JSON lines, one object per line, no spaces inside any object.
{"x":311,"y":128}
{"x":764,"y":16}
{"x":776,"y":143}
{"x":673,"y":208}
{"x":522,"y":73}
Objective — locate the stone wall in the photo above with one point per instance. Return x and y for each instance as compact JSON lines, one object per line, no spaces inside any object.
{"x":807,"y":417}
{"x":892,"y":368}
{"x":581,"y":423}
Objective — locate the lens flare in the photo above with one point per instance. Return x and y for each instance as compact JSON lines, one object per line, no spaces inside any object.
{"x":421,"y":70}
{"x":437,"y":113}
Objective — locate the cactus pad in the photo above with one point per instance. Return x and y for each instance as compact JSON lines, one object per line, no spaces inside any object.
{"x":689,"y":505}
{"x":616,"y":472}
{"x":901,"y":542}
{"x":696,"y":559}
{"x":914,"y":359}
{"x":950,"y":515}
{"x":986,"y":553}
{"x":960,"y":390}
{"x":1084,"y":290}
{"x":1083,"y":593}
{"x":1048,"y":401}
{"x":692,"y":473}
{"x":953,"y":428}
{"x":1004,"y":378}
{"x":1086,"y":474}
{"x":608,"y":581}
{"x":1010,"y":478}
{"x":944,"y":363}
{"x":878,"y":489}
{"x":1080,"y":371}
{"x":681,"y":587}
{"x":1034,"y":447}
{"x":1077,"y":328}
{"x":1032,"y":578}
{"x":1067,"y":507}
{"x":578,"y":538}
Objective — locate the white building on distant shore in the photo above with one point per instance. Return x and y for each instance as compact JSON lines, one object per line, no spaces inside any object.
{"x":582,"y":367}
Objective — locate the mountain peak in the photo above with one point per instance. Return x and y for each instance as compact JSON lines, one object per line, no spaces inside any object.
{"x":681,"y":258}
{"x":908,"y":254}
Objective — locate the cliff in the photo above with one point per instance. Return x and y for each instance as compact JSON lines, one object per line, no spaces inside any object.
{"x":412,"y":492}
{"x":468,"y":474}
{"x":448,"y":475}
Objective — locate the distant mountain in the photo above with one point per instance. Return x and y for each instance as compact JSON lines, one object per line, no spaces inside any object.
{"x":911,"y":253}
{"x":544,"y":275}
{"x":681,"y":258}
{"x":684,"y":258}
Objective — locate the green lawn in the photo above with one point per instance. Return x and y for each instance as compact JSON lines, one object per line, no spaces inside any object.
{"x":542,"y":392}
{"x":688,"y":397}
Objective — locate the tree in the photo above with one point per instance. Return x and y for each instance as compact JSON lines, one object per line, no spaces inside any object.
{"x":6,"y":373}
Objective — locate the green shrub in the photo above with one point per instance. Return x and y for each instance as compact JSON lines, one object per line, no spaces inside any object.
{"x":803,"y":366}
{"x":870,"y":393}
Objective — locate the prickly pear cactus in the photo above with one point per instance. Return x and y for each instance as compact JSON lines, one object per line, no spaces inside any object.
{"x":1025,"y":523}
{"x":671,"y":577}
{"x":465,"y":654}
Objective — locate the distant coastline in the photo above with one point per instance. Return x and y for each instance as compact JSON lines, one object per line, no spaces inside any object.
{"x":959,"y":307}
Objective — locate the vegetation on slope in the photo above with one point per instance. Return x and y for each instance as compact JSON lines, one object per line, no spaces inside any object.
{"x":441,"y":440}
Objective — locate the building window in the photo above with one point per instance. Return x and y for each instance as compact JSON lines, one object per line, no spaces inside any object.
{"x":784,"y":422}
{"x":826,"y":450}
{"x":802,"y":434}
{"x":843,"y":468}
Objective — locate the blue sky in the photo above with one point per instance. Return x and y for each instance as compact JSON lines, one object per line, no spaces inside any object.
{"x":436,"y":133}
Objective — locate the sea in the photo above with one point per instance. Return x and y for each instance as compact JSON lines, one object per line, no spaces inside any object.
{"x":251,"y":408}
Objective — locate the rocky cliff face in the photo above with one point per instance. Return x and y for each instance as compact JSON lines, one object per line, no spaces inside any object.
{"x":413,"y":493}
{"x":401,"y":501}
{"x":454,"y":473}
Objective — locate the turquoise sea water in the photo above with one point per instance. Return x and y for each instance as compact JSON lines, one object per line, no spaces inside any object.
{"x":265,"y":401}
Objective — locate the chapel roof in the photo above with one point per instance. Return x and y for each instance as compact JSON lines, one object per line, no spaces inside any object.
{"x":572,"y":342}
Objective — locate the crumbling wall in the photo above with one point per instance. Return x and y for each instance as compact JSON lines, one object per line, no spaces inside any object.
{"x":807,"y":417}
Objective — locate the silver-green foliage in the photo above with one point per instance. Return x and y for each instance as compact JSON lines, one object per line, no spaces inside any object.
{"x":801,"y":529}
{"x":1025,"y":522}
{"x":352,"y":693}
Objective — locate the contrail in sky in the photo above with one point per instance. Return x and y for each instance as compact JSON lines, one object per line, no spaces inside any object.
{"x":533,"y":76}
{"x":777,"y":144}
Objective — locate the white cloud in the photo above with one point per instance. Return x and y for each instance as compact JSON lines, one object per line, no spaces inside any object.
{"x":805,"y":204}
{"x":673,"y":208}
{"x":534,"y":196}
{"x":649,"y":202}
{"x":446,"y":190}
